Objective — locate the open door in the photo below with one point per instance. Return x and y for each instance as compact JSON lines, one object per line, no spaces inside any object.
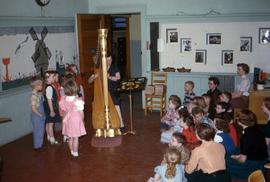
{"x":87,"y":27}
{"x":128,"y":65}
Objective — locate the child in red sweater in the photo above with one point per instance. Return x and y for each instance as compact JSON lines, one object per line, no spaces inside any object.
{"x":186,"y":122}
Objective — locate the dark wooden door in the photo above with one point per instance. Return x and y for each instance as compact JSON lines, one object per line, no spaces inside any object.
{"x":87,"y":27}
{"x":154,"y":35}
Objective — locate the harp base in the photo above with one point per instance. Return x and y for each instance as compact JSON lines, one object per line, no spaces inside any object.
{"x":107,"y":132}
{"x":101,"y":142}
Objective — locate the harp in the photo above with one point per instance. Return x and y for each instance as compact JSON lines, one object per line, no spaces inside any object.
{"x":105,"y":118}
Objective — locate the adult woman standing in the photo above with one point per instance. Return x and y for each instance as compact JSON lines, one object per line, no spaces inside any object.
{"x":240,"y":96}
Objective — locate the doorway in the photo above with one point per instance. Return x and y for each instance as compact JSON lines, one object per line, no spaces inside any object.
{"x":120,"y":44}
{"x":126,"y":52}
{"x":126,"y":44}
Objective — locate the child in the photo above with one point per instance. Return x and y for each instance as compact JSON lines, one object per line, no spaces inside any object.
{"x":207,"y":100}
{"x":50,"y":106}
{"x":198,"y":116}
{"x":266,"y":110}
{"x":227,"y":97}
{"x":222,"y":112}
{"x":172,"y":171}
{"x":166,"y":135}
{"x":207,"y":161}
{"x":72,"y":69}
{"x":221,"y":108}
{"x":169,"y":120}
{"x":72,"y":107}
{"x":190,"y":106}
{"x":37,"y":114}
{"x":179,"y":142}
{"x":201,"y":103}
{"x":57,"y":86}
{"x":222,"y":135}
{"x":186,"y":122}
{"x":229,"y":119}
{"x":189,"y":94}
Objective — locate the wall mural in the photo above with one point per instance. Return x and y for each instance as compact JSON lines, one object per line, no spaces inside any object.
{"x":42,"y":53}
{"x":29,"y":51}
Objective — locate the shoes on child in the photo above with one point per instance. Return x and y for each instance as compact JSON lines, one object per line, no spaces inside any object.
{"x":52,"y":140}
{"x":39,"y":150}
{"x":65,"y":138}
{"x":74,"y":154}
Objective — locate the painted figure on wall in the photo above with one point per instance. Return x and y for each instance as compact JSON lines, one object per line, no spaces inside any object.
{"x":42,"y":53}
{"x":42,"y":61}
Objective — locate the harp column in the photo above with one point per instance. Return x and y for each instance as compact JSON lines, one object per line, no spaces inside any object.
{"x":103,"y":49}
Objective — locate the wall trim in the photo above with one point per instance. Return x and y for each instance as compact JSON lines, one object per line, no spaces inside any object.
{"x":220,"y":17}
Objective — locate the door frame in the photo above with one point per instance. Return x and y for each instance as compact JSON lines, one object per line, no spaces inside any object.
{"x":134,"y":9}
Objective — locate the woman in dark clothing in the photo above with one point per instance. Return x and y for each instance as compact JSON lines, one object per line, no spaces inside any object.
{"x":253,"y":150}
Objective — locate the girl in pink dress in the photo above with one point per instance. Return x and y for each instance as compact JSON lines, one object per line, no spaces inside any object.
{"x":71,"y":107}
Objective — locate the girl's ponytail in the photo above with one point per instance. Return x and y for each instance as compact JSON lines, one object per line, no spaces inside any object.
{"x":172,"y":157}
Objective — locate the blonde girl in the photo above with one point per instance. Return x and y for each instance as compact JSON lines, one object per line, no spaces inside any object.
{"x":37,"y":113}
{"x":72,"y":108}
{"x":50,"y":105}
{"x":171,"y":171}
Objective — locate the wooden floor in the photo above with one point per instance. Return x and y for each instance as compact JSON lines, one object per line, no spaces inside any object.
{"x":133,"y":160}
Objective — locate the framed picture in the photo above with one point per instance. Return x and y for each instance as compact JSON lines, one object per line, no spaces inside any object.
{"x":185,"y":45}
{"x":246,"y":44}
{"x":227,"y":57}
{"x":200,"y":56}
{"x":264,"y":35}
{"x":213,"y":38}
{"x":171,"y":35}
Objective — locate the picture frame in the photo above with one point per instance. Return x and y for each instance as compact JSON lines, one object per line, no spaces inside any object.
{"x":213,"y":38}
{"x":245,"y":44}
{"x":185,"y":45}
{"x":171,"y":35}
{"x":227,"y":57}
{"x":200,"y":56}
{"x":264,"y":35}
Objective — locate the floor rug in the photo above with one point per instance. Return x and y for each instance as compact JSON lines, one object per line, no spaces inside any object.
{"x":106,"y":142}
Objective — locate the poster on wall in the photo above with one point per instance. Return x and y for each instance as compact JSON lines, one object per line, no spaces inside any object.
{"x":264,"y":35}
{"x":227,"y":57}
{"x":28,"y":51}
{"x":185,"y":44}
{"x":200,"y":56}
{"x":171,"y":35}
{"x":246,"y":44}
{"x":213,"y":38}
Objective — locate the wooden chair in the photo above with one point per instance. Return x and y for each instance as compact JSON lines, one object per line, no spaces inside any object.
{"x":157,"y":100}
{"x":256,"y":176}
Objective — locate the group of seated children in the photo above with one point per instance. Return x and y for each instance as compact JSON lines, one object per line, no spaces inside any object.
{"x":50,"y":101}
{"x":210,"y":148}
